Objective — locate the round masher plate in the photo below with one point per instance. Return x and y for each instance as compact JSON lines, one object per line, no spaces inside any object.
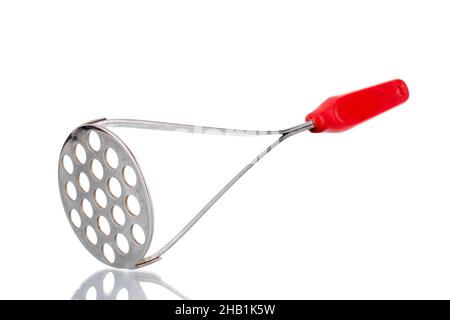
{"x":105,"y":197}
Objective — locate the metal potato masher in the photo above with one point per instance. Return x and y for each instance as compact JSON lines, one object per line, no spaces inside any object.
{"x":103,"y":190}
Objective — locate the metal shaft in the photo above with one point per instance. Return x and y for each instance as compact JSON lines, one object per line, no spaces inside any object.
{"x":167,"y":126}
{"x":154,"y":125}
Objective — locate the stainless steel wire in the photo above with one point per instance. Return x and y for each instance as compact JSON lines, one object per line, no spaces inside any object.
{"x":153,"y":125}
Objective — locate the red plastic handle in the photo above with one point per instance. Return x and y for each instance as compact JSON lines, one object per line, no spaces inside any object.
{"x":343,"y":112}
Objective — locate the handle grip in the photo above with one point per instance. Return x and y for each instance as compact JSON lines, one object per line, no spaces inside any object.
{"x":340,"y":113}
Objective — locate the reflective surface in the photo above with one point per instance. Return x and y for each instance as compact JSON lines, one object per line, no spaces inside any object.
{"x":99,"y":177}
{"x":123,"y":285}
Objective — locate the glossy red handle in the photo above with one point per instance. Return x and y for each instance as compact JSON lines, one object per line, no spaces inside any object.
{"x":343,"y":112}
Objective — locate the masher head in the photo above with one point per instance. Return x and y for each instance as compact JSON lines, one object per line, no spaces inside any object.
{"x":105,"y":196}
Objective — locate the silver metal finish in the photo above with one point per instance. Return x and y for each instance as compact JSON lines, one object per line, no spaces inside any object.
{"x":167,"y":126}
{"x":144,"y":217}
{"x":157,"y":255}
{"x":136,"y":256}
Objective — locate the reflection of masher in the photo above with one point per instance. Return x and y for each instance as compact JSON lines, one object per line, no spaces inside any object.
{"x":115,"y":284}
{"x":103,"y":189}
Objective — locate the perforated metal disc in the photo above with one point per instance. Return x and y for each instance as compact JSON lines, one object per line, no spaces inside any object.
{"x":119,"y":228}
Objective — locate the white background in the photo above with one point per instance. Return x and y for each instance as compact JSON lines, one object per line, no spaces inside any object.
{"x":360,"y":214}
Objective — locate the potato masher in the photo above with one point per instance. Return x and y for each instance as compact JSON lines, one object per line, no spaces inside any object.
{"x":103,"y":189}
